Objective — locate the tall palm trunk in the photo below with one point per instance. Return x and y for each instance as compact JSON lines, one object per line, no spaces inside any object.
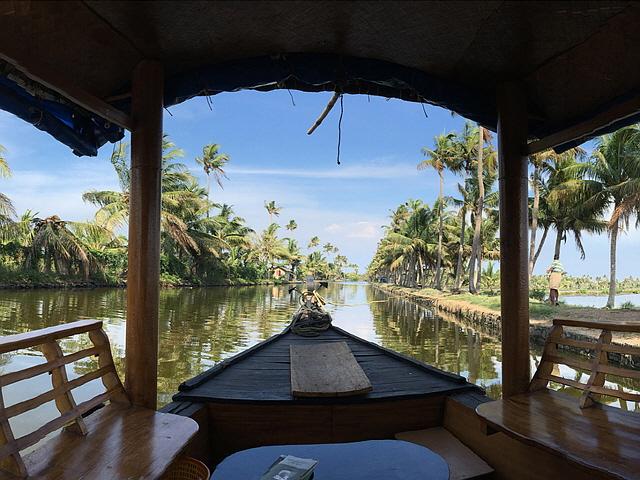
{"x":611,"y":302}
{"x":534,"y":218}
{"x":545,"y":232}
{"x":459,"y":266}
{"x":475,"y":248}
{"x":556,"y":251}
{"x":208,"y":191}
{"x":438,"y":279}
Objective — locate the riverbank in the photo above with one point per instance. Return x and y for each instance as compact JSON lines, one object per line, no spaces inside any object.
{"x":64,"y":283}
{"x":483,"y":313}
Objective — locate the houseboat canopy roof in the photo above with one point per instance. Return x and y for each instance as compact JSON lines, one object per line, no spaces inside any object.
{"x":66,"y":67}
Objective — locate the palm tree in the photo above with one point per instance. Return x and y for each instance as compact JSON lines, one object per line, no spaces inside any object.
{"x":272,"y":209}
{"x":58,"y":247}
{"x":537,"y":160}
{"x":212,"y":163}
{"x":328,"y":247}
{"x":466,"y":203}
{"x":483,"y":136}
{"x":314,"y":242}
{"x":292,"y":225}
{"x":613,"y":180}
{"x":439,"y":158}
{"x":561,"y":202}
{"x":181,"y":197}
{"x":6,"y":207}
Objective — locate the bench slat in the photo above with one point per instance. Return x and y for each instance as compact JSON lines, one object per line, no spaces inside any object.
{"x":620,"y":372}
{"x":571,"y":342}
{"x":44,"y":335}
{"x":53,"y":425}
{"x":567,"y":381}
{"x":570,"y":362}
{"x":36,"y":370}
{"x":632,"y":397}
{"x":50,"y":395}
{"x":623,"y":349}
{"x":613,"y":326}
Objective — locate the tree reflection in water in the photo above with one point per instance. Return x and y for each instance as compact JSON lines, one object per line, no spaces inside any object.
{"x":202,"y":326}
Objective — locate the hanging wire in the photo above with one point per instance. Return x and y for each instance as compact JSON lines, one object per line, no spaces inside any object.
{"x":168,"y":111}
{"x":424,"y":110}
{"x":291,"y":95}
{"x":209,"y":102}
{"x":340,"y":128}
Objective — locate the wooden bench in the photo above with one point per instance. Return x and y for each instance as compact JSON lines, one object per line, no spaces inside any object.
{"x":598,"y":437}
{"x":102,"y":437}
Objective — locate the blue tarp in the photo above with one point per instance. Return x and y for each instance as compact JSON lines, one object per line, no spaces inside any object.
{"x":85,"y":132}
{"x":82,"y":131}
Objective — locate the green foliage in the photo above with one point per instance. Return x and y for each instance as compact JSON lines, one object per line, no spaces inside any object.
{"x":202,"y":243}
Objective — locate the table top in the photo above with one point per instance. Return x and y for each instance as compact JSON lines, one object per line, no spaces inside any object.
{"x":370,"y":460}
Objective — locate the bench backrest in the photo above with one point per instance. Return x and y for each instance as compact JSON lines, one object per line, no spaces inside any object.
{"x":71,"y":414}
{"x":598,"y":366}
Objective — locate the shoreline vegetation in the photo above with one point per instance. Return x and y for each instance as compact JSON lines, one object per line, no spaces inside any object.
{"x":483,"y":314}
{"x":451,"y":244}
{"x":202,"y":243}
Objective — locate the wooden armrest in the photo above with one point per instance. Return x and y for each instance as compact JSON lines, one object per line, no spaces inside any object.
{"x":38,"y":337}
{"x":611,"y":326}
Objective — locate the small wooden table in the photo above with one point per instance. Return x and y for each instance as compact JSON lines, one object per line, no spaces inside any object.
{"x":370,"y":460}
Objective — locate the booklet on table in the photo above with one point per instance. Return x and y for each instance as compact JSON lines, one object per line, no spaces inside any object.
{"x":288,"y":467}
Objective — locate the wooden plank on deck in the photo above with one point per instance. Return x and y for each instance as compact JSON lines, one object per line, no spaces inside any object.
{"x":326,"y":369}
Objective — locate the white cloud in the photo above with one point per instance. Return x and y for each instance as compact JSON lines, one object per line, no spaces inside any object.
{"x":59,"y":193}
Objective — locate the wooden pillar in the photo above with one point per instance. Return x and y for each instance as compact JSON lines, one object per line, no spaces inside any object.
{"x":514,"y":234}
{"x":144,"y":235}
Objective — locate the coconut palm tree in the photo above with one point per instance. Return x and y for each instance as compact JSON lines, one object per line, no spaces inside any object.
{"x":6,"y":207}
{"x":314,"y":242}
{"x":485,"y":161}
{"x":440,"y":158}
{"x":58,"y":247}
{"x":272,"y":209}
{"x":292,"y":225}
{"x":181,"y":197}
{"x":612,"y":180}
{"x":213,"y":162}
{"x":561,"y":201}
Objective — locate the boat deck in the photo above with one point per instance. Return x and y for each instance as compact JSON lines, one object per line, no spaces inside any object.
{"x":262,"y":374}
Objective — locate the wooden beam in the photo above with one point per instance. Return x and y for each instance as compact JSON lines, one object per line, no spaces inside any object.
{"x":57,"y":82}
{"x":584,"y":129}
{"x":144,"y":235}
{"x":514,"y":234}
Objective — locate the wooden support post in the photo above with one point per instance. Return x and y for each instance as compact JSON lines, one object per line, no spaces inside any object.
{"x":514,"y":233}
{"x":144,"y":235}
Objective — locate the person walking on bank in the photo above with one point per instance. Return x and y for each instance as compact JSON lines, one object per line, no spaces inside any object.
{"x":555,"y":272}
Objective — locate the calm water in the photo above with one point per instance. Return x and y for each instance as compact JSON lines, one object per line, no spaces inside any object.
{"x":600,"y":301}
{"x":199,"y":327}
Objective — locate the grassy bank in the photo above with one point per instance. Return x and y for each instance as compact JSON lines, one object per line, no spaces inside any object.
{"x":483,"y":312}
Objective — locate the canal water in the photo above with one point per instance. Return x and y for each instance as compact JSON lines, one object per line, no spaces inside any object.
{"x":202,"y":326}
{"x":600,"y":301}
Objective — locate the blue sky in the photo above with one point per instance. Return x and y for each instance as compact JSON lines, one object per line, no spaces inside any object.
{"x":272,"y":158}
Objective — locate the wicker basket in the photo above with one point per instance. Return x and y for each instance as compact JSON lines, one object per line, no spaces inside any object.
{"x":187,"y":468}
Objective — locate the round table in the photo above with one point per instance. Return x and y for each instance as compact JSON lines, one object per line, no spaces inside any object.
{"x":370,"y":460}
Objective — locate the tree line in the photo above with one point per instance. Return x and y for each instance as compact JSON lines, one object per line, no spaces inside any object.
{"x":444,"y":245}
{"x":202,"y":242}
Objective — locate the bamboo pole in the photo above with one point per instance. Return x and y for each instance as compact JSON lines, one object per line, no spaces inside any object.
{"x":324,"y":113}
{"x":144,"y":235}
{"x":514,"y":226}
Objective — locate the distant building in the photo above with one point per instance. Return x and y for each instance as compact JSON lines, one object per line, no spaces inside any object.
{"x":280,"y":272}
